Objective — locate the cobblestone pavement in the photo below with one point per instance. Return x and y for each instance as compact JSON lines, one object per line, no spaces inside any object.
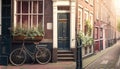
{"x":109,"y":60}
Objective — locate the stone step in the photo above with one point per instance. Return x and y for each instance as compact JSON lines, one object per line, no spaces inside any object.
{"x":65,"y":58}
{"x":65,"y":55}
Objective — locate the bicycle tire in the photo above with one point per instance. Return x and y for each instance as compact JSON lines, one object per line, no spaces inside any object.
{"x":43,"y":55}
{"x":17,"y":57}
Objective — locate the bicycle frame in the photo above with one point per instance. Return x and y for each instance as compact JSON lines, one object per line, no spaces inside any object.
{"x":23,"y":48}
{"x":41,"y":54}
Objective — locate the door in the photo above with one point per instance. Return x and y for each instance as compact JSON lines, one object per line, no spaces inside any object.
{"x":63,"y":31}
{"x":6,"y":38}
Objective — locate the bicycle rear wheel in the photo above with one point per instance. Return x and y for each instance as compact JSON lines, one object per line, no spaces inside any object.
{"x":43,"y":55}
{"x":17,"y":57}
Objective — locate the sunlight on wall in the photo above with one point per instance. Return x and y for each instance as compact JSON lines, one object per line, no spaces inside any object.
{"x":117,"y":4}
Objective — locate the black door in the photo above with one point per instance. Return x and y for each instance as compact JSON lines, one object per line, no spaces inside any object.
{"x":6,"y":40}
{"x":63,"y":31}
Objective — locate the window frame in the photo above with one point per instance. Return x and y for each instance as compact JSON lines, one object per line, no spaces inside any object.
{"x":86,"y":14}
{"x":101,"y":32}
{"x":80,"y":23}
{"x":96,"y":29}
{"x":91,"y":18}
{"x":86,"y":17}
{"x":87,"y":1}
{"x":28,"y":14}
{"x":91,"y":2}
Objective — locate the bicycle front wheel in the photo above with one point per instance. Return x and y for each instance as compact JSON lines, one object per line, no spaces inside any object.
{"x":43,"y":55}
{"x":17,"y":57}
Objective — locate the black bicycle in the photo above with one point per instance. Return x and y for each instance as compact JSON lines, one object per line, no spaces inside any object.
{"x":19,"y":55}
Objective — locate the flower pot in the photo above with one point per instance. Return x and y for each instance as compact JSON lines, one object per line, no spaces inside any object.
{"x":19,"y":37}
{"x":38,"y":38}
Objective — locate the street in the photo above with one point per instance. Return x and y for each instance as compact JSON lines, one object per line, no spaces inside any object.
{"x":110,"y":60}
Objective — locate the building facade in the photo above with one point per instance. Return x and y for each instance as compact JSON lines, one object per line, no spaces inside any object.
{"x":85,"y":11}
{"x":104,"y":25}
{"x":61,"y":21}
{"x":56,"y":17}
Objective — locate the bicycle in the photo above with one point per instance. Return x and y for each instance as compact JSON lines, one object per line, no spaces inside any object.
{"x":41,"y":54}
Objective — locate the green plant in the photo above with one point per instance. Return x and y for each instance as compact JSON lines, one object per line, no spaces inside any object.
{"x":35,"y":32}
{"x":89,"y":27}
{"x":86,"y":39}
{"x":19,"y":32}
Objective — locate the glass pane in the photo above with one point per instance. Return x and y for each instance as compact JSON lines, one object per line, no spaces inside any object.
{"x":18,"y":6}
{"x":40,"y":20}
{"x":25,"y":21}
{"x":35,"y":21}
{"x":40,"y":7}
{"x":30,"y":7}
{"x":63,"y":8}
{"x":6,"y":2}
{"x":18,"y":20}
{"x":35,"y":7}
{"x":24,"y":7}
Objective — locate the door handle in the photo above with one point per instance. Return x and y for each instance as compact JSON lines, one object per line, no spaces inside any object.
{"x":9,"y":28}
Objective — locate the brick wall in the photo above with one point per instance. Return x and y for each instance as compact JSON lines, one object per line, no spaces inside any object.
{"x":48,"y":18}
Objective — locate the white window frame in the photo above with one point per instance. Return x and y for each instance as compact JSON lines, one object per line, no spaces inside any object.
{"x":91,"y":2}
{"x":91,"y":21}
{"x":80,"y":17}
{"x":97,"y":12}
{"x":87,"y":13}
{"x":87,"y":0}
{"x":91,"y":18}
{"x":15,"y":13}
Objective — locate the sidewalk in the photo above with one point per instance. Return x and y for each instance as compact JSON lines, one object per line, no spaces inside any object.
{"x":57,"y":65}
{"x":92,"y":58}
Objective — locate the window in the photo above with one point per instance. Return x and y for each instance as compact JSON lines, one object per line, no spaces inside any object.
{"x":101,"y":32}
{"x":86,"y":48}
{"x":91,"y":2}
{"x":90,"y":49}
{"x":28,"y":13}
{"x":87,"y":1}
{"x":91,"y":19}
{"x":96,"y":33}
{"x":86,"y":15}
{"x":79,"y":19}
{"x":85,"y":18}
{"x":63,"y":8}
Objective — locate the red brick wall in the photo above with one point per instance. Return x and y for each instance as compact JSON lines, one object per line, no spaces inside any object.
{"x":84,"y":5}
{"x":48,"y":18}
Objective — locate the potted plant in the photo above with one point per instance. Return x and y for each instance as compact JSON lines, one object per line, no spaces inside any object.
{"x":36,"y":34}
{"x":86,"y":39}
{"x":19,"y":34}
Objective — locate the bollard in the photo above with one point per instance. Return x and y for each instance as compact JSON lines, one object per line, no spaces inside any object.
{"x":79,"y":54}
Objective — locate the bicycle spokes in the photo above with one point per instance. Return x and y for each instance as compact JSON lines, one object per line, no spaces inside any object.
{"x":43,"y":56}
{"x":17,"y":57}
